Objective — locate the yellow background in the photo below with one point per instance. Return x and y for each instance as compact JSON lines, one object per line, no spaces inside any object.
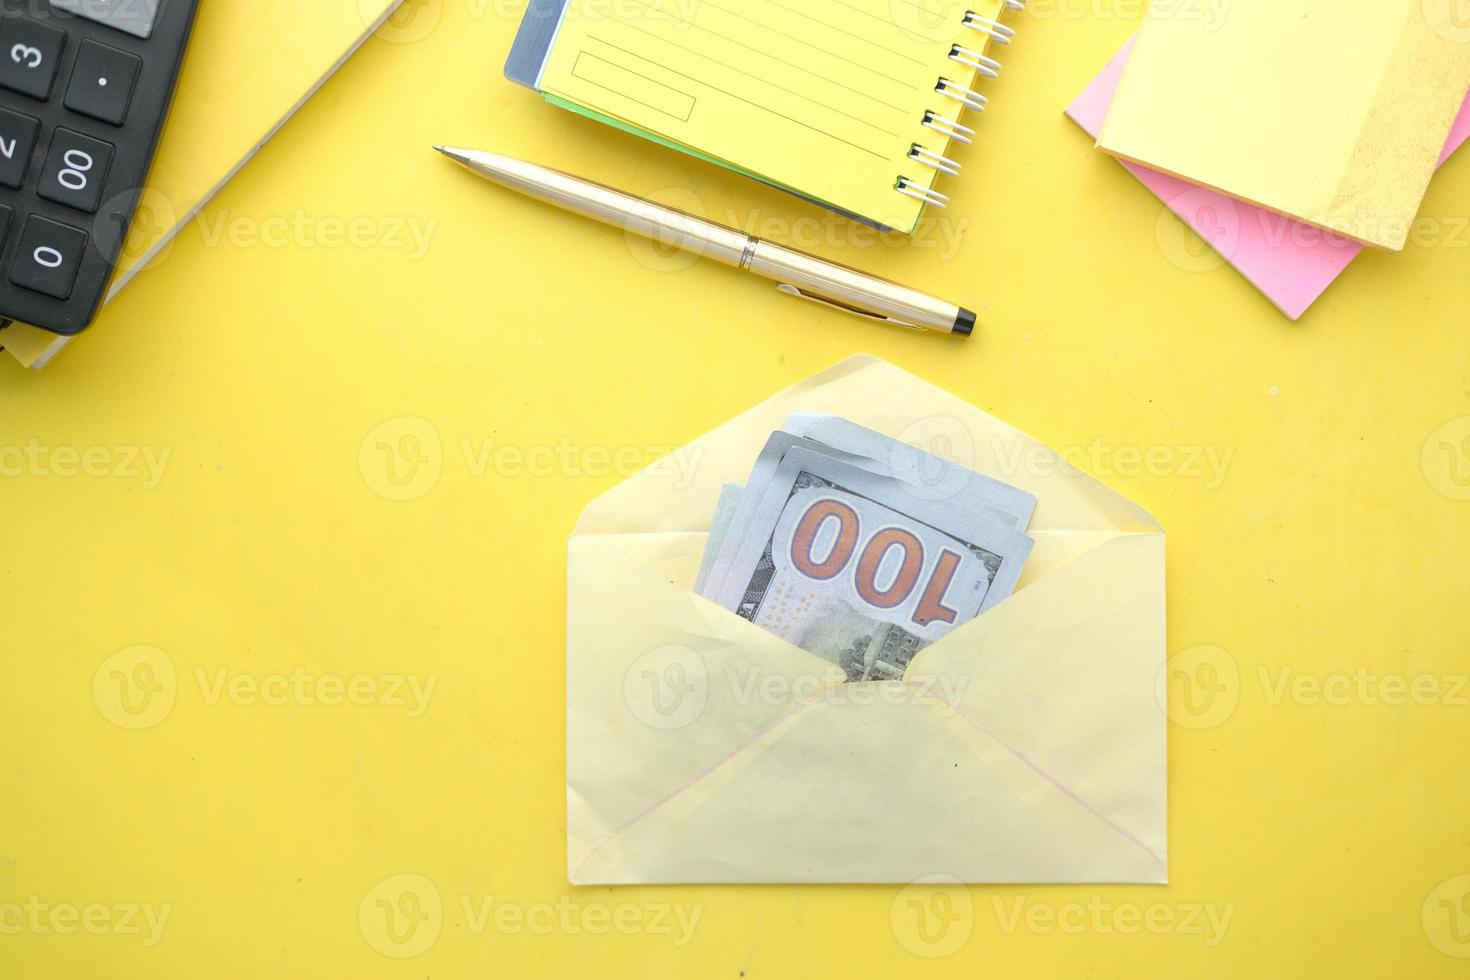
{"x":1335,"y":833}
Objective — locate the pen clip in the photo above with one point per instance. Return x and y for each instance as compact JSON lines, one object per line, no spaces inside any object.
{"x":796,"y":291}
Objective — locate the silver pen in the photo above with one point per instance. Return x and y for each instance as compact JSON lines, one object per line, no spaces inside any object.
{"x":795,"y":273}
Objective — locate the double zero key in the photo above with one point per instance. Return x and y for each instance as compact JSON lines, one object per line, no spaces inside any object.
{"x":75,"y":169}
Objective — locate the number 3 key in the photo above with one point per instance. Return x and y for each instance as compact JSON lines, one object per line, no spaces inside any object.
{"x":29,"y":56}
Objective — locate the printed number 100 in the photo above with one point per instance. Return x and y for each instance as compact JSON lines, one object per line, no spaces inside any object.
{"x":839,"y":559}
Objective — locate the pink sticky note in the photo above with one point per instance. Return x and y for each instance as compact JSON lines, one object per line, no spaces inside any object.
{"x":1290,"y":262}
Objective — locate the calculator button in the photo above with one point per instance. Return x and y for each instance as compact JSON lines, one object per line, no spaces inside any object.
{"x":48,"y":257}
{"x":17,"y":140}
{"x":76,"y":167}
{"x":102,"y":82}
{"x":134,"y":17}
{"x":29,"y":53}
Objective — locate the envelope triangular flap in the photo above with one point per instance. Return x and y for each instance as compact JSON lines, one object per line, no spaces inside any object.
{"x":662,"y":686}
{"x":903,"y":796}
{"x":680,"y":495}
{"x":1064,"y":675}
{"x":1025,"y":748}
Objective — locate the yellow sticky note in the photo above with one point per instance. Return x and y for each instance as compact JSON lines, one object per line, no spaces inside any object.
{"x":1333,"y":112}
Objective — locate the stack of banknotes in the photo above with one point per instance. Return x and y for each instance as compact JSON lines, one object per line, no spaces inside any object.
{"x":862,"y":549}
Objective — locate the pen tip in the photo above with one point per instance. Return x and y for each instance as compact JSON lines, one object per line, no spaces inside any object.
{"x":964,"y":323}
{"x":454,"y":153}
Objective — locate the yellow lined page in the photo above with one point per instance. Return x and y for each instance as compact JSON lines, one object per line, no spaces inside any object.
{"x":825,"y":97}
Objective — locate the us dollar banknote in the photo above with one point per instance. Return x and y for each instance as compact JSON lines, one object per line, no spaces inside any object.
{"x":924,"y":475}
{"x":719,"y":527}
{"x":856,"y":565}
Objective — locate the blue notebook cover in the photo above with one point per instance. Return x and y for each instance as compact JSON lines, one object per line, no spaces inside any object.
{"x":533,"y":42}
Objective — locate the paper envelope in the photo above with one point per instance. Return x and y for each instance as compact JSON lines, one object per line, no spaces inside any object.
{"x":1028,"y":745}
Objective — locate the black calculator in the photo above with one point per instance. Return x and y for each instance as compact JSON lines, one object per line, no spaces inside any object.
{"x":84,"y":89}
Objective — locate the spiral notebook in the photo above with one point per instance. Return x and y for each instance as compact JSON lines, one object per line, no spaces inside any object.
{"x":854,"y":104}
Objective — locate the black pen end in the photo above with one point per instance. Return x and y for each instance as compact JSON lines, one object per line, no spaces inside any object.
{"x":964,"y":323}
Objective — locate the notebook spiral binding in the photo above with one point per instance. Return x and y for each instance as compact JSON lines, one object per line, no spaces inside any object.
{"x":967,"y":98}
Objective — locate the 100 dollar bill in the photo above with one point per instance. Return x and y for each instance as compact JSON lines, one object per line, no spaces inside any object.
{"x":925,"y":476}
{"x":857,"y":568}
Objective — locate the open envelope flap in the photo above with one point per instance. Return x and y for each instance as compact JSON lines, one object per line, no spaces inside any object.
{"x":1026,"y":746}
{"x":679,"y":493}
{"x":1064,"y":675}
{"x":662,"y":686}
